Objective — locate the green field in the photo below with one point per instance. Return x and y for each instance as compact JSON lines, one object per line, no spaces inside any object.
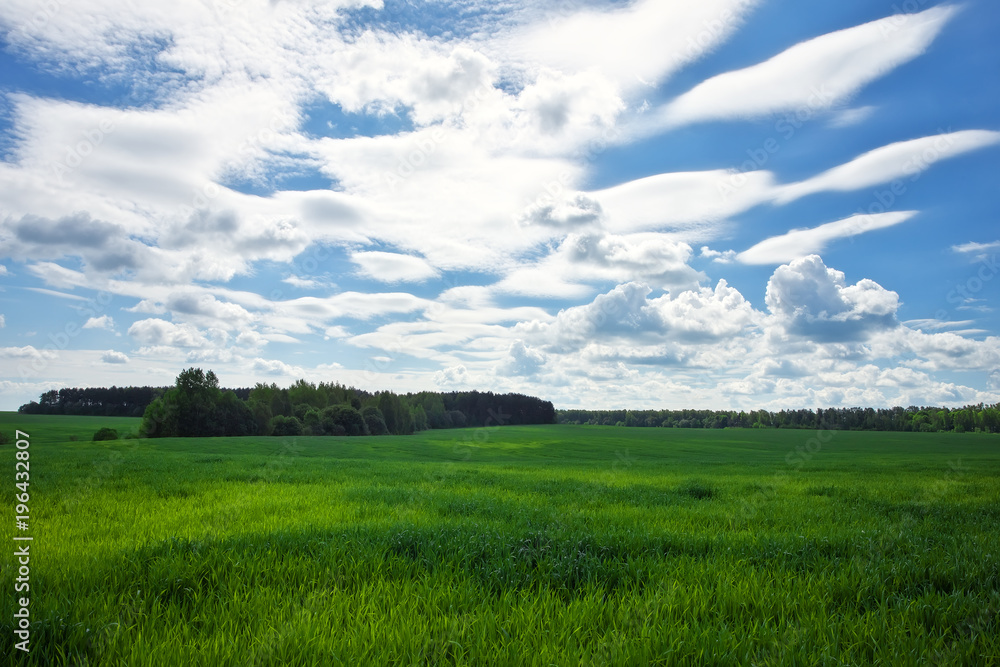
{"x":552,"y":545}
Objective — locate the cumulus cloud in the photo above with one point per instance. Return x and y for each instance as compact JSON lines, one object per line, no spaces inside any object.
{"x":157,"y":332}
{"x":277,"y":368}
{"x":813,"y":301}
{"x":114,"y":357}
{"x":102,"y":322}
{"x":26,"y":352}
{"x":521,"y":360}
{"x":598,"y":258}
{"x":104,"y":246}
{"x":208,"y":310}
{"x":453,"y":377}
{"x":718,"y":256}
{"x":626,"y":316}
{"x":566,"y":211}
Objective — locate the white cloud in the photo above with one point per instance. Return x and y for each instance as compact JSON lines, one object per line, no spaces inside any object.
{"x":26,"y":352}
{"x":850,"y":117}
{"x":973,"y":247}
{"x":720,"y":257}
{"x":206,"y":310}
{"x":502,"y":133}
{"x":58,"y":295}
{"x":157,"y":332}
{"x":3,"y":322}
{"x":598,"y":258}
{"x":388,"y":267}
{"x":277,"y":368}
{"x":637,"y":45}
{"x":521,"y":360}
{"x":682,"y":201}
{"x":308,"y":283}
{"x":114,"y":357}
{"x":102,"y":322}
{"x":814,"y":75}
{"x":625,"y":316}
{"x":802,"y":242}
{"x":902,"y":160}
{"x":454,"y":377}
{"x":815,"y":302}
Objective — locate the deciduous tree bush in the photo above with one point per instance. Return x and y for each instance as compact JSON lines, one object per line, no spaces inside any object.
{"x":105,"y":434}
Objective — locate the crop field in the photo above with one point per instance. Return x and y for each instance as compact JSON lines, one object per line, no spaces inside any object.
{"x":543,"y":545}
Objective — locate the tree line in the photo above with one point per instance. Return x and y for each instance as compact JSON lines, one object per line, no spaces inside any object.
{"x":100,"y":401}
{"x":197,"y":406}
{"x":972,"y":418}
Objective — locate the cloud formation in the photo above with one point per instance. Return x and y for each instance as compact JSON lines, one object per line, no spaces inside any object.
{"x":527,"y":198}
{"x":799,"y":243}
{"x":815,"y":302}
{"x":814,"y":75}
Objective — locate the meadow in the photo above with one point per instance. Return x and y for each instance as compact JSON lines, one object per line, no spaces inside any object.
{"x":540,"y":545}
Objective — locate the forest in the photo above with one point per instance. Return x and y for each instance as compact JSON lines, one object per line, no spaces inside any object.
{"x":196,"y":406}
{"x":973,"y":418}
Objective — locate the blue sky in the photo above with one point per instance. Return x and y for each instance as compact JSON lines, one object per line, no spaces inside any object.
{"x":737,"y":204}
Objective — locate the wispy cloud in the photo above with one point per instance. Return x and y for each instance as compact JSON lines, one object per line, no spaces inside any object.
{"x":60,"y":295}
{"x":389,"y":267}
{"x":973,"y":247}
{"x":814,"y":75}
{"x":802,"y":242}
{"x":902,"y":160}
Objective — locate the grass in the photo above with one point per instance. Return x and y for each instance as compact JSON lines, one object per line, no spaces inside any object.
{"x":547,"y":545}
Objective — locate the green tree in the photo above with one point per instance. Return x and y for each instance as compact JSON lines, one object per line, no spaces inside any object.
{"x":306,"y":393}
{"x":374,"y":420}
{"x":196,"y":407}
{"x":344,"y":416}
{"x":160,"y":419}
{"x":285,"y":426}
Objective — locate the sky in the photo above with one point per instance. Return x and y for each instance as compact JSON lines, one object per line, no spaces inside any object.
{"x":729,"y":204}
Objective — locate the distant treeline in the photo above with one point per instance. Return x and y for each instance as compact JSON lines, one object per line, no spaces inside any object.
{"x":102,"y":401}
{"x":197,"y":406}
{"x":982,"y":418}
